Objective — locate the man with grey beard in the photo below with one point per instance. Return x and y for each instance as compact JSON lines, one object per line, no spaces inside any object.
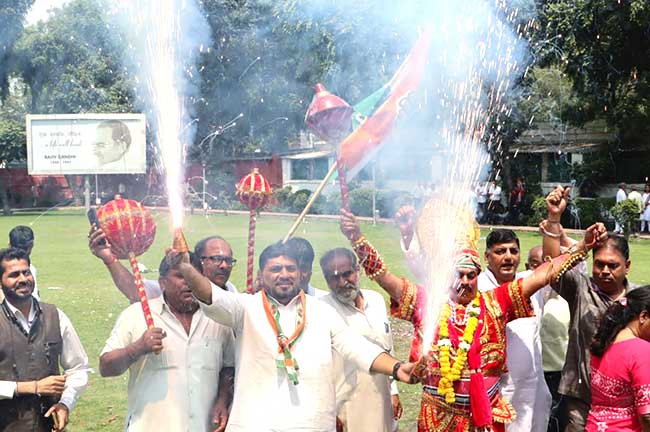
{"x":365,"y":312}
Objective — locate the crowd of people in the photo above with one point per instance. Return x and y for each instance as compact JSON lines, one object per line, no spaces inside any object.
{"x":642,"y":202}
{"x":548,"y":348}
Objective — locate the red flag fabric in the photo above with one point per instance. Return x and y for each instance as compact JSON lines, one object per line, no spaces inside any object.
{"x":363,"y":142}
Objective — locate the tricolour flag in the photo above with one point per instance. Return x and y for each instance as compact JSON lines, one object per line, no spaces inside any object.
{"x":375,"y":115}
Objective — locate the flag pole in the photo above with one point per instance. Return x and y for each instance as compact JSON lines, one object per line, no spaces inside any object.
{"x":311,"y":201}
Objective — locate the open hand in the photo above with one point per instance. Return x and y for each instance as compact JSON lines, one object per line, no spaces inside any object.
{"x":220,"y":415}
{"x":397,"y":406}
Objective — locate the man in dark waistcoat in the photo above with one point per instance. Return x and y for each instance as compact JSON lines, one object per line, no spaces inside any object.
{"x":36,"y":339}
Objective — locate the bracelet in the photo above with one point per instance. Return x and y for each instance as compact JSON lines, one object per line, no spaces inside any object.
{"x":570,"y":262}
{"x":113,"y":259}
{"x":372,"y":263}
{"x":36,"y":388}
{"x":396,"y":367}
{"x":548,"y":234}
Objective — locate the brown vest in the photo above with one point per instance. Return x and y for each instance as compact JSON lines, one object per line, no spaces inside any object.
{"x":28,"y":357}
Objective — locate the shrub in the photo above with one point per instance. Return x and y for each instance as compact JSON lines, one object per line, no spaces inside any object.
{"x":538,"y":211}
{"x":626,"y":213}
{"x":361,"y":202}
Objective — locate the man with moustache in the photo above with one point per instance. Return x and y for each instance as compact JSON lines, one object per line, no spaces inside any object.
{"x":462,"y":367}
{"x":365,"y":312}
{"x":35,"y":340}
{"x":285,"y":338}
{"x":174,"y":367}
{"x":588,"y":298}
{"x":523,"y":385}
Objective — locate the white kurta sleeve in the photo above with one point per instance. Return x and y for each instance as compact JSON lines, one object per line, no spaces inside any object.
{"x":352,"y":346}
{"x":74,"y":362}
{"x":7,"y":389}
{"x":227,"y":308}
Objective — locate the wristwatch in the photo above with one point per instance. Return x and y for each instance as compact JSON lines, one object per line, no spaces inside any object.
{"x":395,"y":369}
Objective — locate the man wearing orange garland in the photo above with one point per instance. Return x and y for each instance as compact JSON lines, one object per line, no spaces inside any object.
{"x":460,"y":372}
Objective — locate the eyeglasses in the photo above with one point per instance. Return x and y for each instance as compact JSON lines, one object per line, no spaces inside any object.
{"x":218,"y":259}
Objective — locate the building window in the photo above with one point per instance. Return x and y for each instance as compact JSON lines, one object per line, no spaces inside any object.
{"x":309,"y":169}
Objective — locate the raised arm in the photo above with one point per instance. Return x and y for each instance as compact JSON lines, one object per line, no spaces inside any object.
{"x":556,"y":203}
{"x":369,"y":258}
{"x":219,"y":305}
{"x":551,"y":271}
{"x":122,"y":277}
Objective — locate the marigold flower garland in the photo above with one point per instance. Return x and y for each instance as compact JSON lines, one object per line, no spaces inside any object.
{"x":452,"y":373}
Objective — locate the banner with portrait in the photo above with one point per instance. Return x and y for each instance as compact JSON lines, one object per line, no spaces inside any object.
{"x":86,"y":144}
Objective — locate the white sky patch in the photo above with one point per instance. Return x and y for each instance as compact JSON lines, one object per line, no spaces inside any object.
{"x":40,"y":10}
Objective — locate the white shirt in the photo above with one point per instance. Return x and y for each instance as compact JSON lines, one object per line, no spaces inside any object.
{"x":35,"y":293}
{"x":358,"y":390}
{"x":524,"y":386}
{"x":481,"y":193}
{"x":620,"y":196}
{"x":74,"y":360}
{"x":495,"y":193}
{"x":264,"y":398}
{"x":153,"y":290}
{"x":313,"y":291}
{"x":175,"y":390}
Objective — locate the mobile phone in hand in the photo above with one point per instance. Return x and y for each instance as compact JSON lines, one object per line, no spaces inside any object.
{"x":94,"y":222}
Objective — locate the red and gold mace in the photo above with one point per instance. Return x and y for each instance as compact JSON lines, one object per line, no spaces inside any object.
{"x":254,"y":191}
{"x":130,"y":229}
{"x":329,"y":117}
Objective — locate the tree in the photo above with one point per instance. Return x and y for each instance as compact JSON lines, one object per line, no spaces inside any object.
{"x":12,"y":18}
{"x":605,"y":48}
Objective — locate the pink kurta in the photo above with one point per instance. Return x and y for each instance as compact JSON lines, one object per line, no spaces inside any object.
{"x":620,"y":387}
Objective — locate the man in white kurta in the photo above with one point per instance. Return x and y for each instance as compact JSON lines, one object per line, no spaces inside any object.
{"x":271,"y":393}
{"x":176,"y":389}
{"x":364,"y":311}
{"x":524,"y":386}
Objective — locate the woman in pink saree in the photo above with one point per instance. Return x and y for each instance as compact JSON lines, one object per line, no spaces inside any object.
{"x":620,"y":372}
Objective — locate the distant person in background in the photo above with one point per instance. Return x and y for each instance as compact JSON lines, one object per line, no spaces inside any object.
{"x":112,"y":141}
{"x":516,"y":200}
{"x":481,"y":200}
{"x":635,"y":196}
{"x":620,"y":377}
{"x":645,"y":216}
{"x":621,"y":195}
{"x":22,"y":237}
{"x":494,"y":201}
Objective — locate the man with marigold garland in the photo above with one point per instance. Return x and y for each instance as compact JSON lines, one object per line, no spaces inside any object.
{"x":461,"y":370}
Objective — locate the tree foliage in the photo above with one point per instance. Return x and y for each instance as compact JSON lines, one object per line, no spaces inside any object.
{"x":12,"y":18}
{"x":604,"y":46}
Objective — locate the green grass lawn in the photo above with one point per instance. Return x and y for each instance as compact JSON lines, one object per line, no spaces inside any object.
{"x":77,"y":282}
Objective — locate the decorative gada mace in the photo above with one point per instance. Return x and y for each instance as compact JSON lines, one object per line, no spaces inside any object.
{"x":130,"y":229}
{"x":254,"y":191}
